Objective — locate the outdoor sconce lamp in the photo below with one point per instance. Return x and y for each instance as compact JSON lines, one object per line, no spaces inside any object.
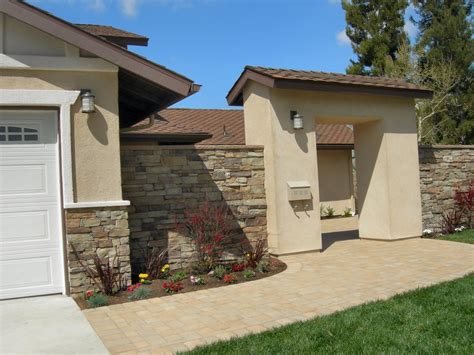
{"x":297,"y":119}
{"x":88,"y":101}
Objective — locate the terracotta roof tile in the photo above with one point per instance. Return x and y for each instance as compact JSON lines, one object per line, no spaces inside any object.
{"x":318,"y":76}
{"x":227,"y":126}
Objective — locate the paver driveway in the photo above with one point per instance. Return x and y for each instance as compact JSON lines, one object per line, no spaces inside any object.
{"x":346,"y":274}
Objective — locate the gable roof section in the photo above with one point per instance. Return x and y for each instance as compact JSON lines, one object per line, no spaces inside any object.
{"x":321,"y":81}
{"x":156,"y":87}
{"x":223,"y":127}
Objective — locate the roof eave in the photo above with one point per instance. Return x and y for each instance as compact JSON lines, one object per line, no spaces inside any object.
{"x":235,"y":95}
{"x":332,"y":146}
{"x":186,"y":138}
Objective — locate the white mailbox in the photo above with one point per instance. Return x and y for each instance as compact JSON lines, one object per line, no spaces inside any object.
{"x":299,"y":190}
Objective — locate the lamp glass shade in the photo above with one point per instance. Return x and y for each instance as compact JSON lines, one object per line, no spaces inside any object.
{"x":88,"y":102}
{"x":298,"y":122}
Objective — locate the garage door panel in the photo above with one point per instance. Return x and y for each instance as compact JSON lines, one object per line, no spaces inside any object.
{"x":31,"y":256}
{"x":38,"y":272}
{"x":13,"y":228}
{"x":30,"y":275}
{"x":23,"y":179}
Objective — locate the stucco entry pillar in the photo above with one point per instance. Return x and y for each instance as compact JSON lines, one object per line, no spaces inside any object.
{"x":289,"y":155}
{"x":387,"y":168}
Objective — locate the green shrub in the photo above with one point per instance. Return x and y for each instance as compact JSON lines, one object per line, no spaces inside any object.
{"x":219,"y":271}
{"x":178,"y":276}
{"x":140,"y":293}
{"x":248,"y":274}
{"x":347,"y":212}
{"x":330,"y":212}
{"x":97,"y":300}
{"x":263,"y":266}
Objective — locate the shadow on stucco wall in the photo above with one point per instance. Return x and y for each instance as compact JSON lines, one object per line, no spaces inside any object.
{"x":162,"y":182}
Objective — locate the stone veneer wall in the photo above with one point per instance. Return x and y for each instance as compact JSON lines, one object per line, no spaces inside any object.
{"x":442,"y":169}
{"x":101,"y":231}
{"x":162,"y":182}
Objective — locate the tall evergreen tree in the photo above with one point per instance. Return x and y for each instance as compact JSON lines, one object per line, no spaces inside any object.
{"x":445,"y":35}
{"x":375,"y":28}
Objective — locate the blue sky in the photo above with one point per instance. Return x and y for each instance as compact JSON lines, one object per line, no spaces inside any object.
{"x":210,"y":41}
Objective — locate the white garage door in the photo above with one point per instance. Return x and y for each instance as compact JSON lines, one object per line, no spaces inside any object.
{"x":30,"y":229}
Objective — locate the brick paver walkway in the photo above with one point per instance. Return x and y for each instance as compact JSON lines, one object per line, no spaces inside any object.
{"x":348,"y":273}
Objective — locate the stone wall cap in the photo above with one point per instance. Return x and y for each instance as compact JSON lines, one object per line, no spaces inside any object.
{"x":447,"y":146}
{"x":194,"y":147}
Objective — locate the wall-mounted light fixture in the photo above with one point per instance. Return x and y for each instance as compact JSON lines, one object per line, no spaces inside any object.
{"x":297,"y":119}
{"x":88,"y":101}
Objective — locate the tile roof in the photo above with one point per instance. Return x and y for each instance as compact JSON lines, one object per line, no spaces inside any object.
{"x":321,"y":81}
{"x":227,"y":127}
{"x":318,"y":76}
{"x":334,"y":134}
{"x":168,"y":121}
{"x":107,"y":31}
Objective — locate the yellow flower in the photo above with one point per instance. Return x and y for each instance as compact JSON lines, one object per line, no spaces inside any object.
{"x":165,"y":268}
{"x":142,"y":280}
{"x":143,"y":276}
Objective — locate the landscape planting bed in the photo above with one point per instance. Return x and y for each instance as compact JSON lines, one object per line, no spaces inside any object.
{"x":156,"y":287}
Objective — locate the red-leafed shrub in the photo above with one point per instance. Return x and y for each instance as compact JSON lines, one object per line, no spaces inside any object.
{"x":172,"y":287}
{"x":254,"y":253}
{"x":104,"y":274}
{"x":208,"y":227}
{"x":450,"y":220}
{"x":238,"y":267}
{"x":464,"y":199}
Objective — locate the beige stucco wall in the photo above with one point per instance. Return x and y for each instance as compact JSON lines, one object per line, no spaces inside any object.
{"x":335,"y":179}
{"x":22,"y":39}
{"x":386,"y":158}
{"x":292,"y":227}
{"x":95,"y":137}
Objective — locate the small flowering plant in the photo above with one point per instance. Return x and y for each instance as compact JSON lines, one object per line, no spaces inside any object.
{"x":144,"y":279}
{"x":196,"y":280}
{"x":172,"y":287}
{"x":89,"y":294}
{"x":132,"y":288}
{"x":230,"y":279}
{"x":428,"y":232}
{"x":165,"y":271}
{"x":238,"y":267}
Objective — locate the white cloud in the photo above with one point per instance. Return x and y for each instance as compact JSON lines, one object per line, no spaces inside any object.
{"x":129,"y":7}
{"x":410,"y":28}
{"x":342,"y":39}
{"x":96,"y":5}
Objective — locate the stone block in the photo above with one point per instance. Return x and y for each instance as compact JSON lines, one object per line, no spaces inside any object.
{"x":90,"y":222}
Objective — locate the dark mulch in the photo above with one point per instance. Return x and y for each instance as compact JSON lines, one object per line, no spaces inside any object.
{"x":157,"y":290}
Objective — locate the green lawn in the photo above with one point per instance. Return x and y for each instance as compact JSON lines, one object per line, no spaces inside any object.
{"x":437,"y":319}
{"x":466,"y":236}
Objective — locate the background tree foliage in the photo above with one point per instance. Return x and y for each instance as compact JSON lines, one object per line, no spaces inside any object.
{"x":442,"y":59}
{"x":445,"y":36}
{"x":441,"y":78}
{"x":375,"y":28}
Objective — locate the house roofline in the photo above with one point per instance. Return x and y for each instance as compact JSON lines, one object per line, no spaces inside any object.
{"x":104,"y":49}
